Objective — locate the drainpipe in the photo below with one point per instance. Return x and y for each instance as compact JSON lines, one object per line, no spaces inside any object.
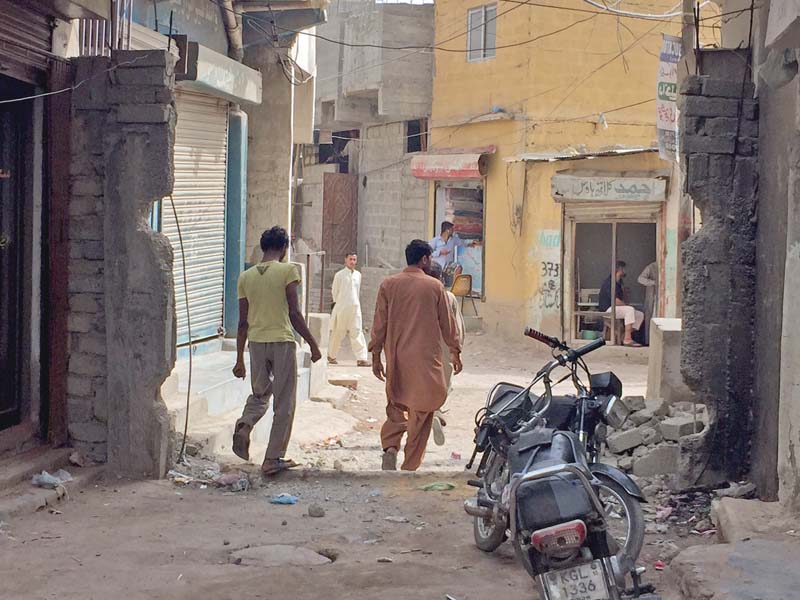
{"x":233,"y":27}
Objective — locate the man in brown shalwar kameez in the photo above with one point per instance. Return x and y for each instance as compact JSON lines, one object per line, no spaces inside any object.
{"x":411,"y":311}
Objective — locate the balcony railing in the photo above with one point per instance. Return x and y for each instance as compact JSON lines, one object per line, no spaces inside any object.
{"x":98,"y":37}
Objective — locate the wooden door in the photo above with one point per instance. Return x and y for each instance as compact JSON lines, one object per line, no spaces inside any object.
{"x":339,"y":216}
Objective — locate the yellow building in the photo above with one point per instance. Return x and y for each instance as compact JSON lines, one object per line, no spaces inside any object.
{"x":536,"y":90}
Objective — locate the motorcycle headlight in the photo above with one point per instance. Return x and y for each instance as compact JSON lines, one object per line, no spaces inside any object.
{"x":615,"y":413}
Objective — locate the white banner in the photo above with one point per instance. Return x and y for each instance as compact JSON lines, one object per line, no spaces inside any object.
{"x":667,"y":98}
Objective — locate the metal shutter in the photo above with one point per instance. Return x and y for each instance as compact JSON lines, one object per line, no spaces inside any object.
{"x":201,"y":148}
{"x":25,"y":42}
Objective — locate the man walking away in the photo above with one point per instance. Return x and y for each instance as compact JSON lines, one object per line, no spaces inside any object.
{"x":412,"y":314}
{"x":346,"y":313}
{"x":268,"y":310}
{"x":632,"y":317}
{"x":435,"y":271}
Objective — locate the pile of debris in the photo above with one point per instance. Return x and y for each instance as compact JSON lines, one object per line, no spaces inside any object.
{"x":648,"y":443}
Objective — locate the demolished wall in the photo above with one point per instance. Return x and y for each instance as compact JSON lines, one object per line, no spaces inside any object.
{"x":719,"y":143}
{"x":121,"y":308}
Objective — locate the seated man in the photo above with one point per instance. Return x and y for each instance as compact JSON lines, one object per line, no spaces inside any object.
{"x":633,"y":318}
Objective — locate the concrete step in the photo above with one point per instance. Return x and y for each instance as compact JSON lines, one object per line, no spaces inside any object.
{"x":19,"y":468}
{"x":25,"y":498}
{"x":473,"y":324}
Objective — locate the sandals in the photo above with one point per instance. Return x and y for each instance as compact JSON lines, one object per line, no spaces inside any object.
{"x":277,"y":466}
{"x":241,"y":441}
{"x":633,"y":345}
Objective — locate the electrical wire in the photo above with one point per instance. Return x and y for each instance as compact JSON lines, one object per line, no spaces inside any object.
{"x":181,"y":454}
{"x":80,"y":83}
{"x":624,"y":13}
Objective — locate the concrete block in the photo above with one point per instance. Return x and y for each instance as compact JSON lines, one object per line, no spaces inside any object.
{"x":318,"y":375}
{"x":85,"y":228}
{"x":700,"y":106}
{"x":84,"y":303}
{"x":720,"y":126}
{"x":691,"y":86}
{"x":345,"y":381}
{"x":89,"y":249}
{"x":674,"y":428}
{"x":92,"y":344}
{"x":697,"y":169}
{"x":705,"y":144}
{"x":623,"y":441}
{"x":750,"y":110}
{"x":727,"y":88}
{"x":79,"y":409}
{"x":145,"y":76}
{"x":133,"y":94}
{"x":87,"y":186}
{"x":79,"y":386}
{"x":320,"y":326}
{"x":651,"y":436}
{"x":660,"y":460}
{"x":80,"y":206}
{"x":92,"y":431}
{"x":86,"y":364}
{"x":80,"y":323}
{"x":144,"y":113}
{"x":747,"y":146}
{"x":643,"y":416}
{"x":625,"y":463}
{"x":634,"y":403}
{"x":85,"y":284}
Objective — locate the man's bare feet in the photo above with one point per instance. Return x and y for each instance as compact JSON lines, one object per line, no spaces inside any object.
{"x":332,"y":361}
{"x":364,"y":363}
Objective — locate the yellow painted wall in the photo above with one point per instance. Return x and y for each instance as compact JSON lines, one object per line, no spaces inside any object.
{"x":539,"y":96}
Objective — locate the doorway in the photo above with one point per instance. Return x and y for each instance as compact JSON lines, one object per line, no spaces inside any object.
{"x":597,"y":247}
{"x":15,"y":170}
{"x":462,"y":203}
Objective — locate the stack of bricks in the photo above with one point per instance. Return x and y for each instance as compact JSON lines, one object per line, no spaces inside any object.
{"x":719,"y":142}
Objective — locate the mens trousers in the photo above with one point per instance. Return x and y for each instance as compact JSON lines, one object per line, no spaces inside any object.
{"x":273,"y":374}
{"x":417,"y":426}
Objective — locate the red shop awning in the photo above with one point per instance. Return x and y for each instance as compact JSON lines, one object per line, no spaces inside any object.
{"x":449,"y":166}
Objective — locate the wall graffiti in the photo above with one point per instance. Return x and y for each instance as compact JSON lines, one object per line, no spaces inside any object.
{"x":547,"y":254}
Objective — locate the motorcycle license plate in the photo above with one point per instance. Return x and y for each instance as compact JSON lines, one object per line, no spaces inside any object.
{"x":583,"y":582}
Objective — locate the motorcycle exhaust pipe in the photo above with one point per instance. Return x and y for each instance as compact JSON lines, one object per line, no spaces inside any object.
{"x":473,"y":510}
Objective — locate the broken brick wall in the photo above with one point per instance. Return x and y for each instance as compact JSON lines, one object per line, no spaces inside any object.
{"x":719,"y":143}
{"x":121,"y":308}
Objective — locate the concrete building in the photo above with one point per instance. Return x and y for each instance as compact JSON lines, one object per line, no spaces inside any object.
{"x":532,"y":130}
{"x":740,"y":345}
{"x":357,"y":192}
{"x":147,"y":124}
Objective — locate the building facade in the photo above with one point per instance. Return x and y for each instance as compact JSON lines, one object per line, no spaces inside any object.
{"x":541,"y":115}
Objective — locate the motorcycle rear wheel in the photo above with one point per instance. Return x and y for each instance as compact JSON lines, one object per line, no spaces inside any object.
{"x":614,"y":496}
{"x":488,"y":535}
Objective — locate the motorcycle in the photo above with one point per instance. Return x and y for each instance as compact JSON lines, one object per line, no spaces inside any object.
{"x":576,"y":524}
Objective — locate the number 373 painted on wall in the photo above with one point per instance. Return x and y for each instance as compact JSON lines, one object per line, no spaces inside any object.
{"x":548,"y":253}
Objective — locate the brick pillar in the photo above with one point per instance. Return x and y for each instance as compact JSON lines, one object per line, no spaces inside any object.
{"x":719,"y":143}
{"x":122,"y":313}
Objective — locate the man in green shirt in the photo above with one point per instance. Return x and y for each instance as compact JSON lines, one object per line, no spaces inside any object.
{"x":269,"y":311}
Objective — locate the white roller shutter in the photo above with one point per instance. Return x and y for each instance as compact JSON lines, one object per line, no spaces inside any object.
{"x":201,"y":149}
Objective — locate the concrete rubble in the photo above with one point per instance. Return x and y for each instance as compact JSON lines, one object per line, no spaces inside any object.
{"x":648,"y":443}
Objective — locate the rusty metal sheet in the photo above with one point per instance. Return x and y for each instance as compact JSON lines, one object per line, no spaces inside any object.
{"x":449,"y":166}
{"x":25,"y":42}
{"x":339,"y":215}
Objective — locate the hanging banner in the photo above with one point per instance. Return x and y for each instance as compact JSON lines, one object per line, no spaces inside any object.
{"x":667,"y":97}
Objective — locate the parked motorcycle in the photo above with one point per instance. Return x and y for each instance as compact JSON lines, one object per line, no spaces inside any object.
{"x":575,"y":524}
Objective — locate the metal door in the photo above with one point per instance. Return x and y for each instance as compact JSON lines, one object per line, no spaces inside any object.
{"x":339,"y":215}
{"x":12,"y":177}
{"x":201,"y":150}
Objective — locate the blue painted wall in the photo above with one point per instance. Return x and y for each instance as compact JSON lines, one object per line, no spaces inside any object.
{"x":235,"y":216}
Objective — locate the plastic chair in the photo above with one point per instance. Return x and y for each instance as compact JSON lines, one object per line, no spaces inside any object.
{"x":462,"y":288}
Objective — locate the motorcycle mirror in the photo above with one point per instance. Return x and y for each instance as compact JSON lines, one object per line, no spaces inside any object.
{"x":615,"y":412}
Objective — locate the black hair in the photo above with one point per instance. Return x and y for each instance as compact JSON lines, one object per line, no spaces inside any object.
{"x":621,"y":264}
{"x":416,"y":250}
{"x":274,"y":239}
{"x":447,"y":225}
{"x":435,"y":270}
{"x":349,"y":254}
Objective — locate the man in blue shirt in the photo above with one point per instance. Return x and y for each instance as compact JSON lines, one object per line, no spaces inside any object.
{"x":444,"y":245}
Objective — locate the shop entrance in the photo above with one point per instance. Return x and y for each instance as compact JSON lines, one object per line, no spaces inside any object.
{"x":596,"y":250}
{"x":462,"y":203}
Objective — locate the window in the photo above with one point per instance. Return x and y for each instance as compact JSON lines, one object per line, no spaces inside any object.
{"x":417,"y":135}
{"x":482,"y":32}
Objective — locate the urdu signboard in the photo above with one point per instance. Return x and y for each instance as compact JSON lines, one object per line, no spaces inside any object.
{"x":590,"y":188}
{"x":667,"y":98}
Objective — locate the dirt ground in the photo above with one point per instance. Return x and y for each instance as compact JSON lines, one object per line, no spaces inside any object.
{"x":156,"y":539}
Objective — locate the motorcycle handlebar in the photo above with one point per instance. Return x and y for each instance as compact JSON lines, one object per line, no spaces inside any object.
{"x":590,"y":347}
{"x":553,"y":342}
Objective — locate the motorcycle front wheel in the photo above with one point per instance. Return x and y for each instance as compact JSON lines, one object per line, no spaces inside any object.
{"x":624,"y":517}
{"x":489,"y":536}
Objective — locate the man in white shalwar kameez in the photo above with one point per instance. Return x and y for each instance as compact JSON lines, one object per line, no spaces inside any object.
{"x":346,"y":318}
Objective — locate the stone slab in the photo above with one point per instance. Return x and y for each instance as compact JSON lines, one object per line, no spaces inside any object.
{"x":737,"y":519}
{"x":757,"y":569}
{"x":675,"y":428}
{"x":625,"y":440}
{"x":278,"y":555}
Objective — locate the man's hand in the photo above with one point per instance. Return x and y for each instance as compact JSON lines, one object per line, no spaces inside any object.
{"x":240,"y":370}
{"x":444,"y":251}
{"x":377,"y":367}
{"x":457,"y":366}
{"x":316,"y":354}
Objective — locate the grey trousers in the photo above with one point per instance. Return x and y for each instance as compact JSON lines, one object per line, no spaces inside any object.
{"x":273,"y":373}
